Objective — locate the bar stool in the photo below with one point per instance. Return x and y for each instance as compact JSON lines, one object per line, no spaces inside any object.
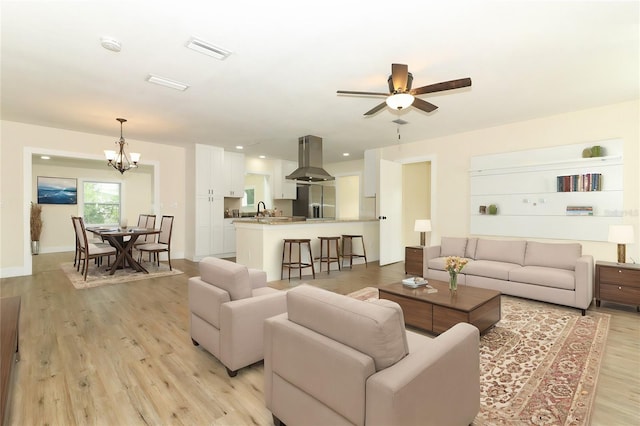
{"x":299,"y":265}
{"x":328,"y":258}
{"x":351,"y":254}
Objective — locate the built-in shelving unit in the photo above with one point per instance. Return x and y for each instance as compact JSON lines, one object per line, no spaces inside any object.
{"x":524,"y":186}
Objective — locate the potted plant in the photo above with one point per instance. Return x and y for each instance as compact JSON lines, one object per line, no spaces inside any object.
{"x":35,"y":223}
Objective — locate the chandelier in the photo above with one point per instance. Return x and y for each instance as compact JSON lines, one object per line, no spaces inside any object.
{"x":119,"y":159}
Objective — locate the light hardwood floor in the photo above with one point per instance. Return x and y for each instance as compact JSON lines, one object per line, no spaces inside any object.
{"x":122,"y":354}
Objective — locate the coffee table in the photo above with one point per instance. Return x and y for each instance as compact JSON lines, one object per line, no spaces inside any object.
{"x":438,"y":312}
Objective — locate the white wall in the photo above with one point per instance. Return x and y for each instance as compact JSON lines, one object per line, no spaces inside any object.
{"x":450,"y":201}
{"x":19,"y":140}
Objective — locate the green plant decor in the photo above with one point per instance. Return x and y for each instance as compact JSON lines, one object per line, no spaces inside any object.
{"x":493,"y":209}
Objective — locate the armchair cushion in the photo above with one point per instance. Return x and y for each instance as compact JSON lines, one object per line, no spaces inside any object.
{"x":373,"y":329}
{"x":229,"y":276}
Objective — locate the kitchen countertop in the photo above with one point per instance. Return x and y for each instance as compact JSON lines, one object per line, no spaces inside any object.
{"x":294,"y":221}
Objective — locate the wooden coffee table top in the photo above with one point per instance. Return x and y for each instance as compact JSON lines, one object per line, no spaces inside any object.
{"x":466,"y":298}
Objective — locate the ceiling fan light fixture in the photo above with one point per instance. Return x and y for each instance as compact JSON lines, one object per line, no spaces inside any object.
{"x":400,"y":101}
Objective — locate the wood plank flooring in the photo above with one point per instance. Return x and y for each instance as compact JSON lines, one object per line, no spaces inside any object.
{"x":122,"y":354}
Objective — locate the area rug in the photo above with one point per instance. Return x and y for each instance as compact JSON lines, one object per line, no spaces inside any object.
{"x":99,"y":276}
{"x":538,"y":365}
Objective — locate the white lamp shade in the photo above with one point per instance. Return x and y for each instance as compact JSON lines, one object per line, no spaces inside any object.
{"x":621,"y":234}
{"x":111,"y":155}
{"x":422,"y":225}
{"x":400,"y":100}
{"x":135,"y":157}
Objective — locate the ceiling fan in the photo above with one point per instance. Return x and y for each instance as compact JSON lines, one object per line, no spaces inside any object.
{"x":401,"y":95}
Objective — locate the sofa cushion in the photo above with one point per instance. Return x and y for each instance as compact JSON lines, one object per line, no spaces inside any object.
{"x":501,"y":251}
{"x":373,"y":329}
{"x":490,"y":269}
{"x":229,"y":276}
{"x":450,"y":246}
{"x":562,"y":256}
{"x":438,"y":263}
{"x":546,"y":277}
{"x":470,"y":251}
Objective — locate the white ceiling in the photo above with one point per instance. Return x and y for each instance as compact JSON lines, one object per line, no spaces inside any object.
{"x":526,"y":59}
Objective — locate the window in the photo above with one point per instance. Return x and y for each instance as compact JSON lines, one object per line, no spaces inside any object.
{"x":101,"y":203}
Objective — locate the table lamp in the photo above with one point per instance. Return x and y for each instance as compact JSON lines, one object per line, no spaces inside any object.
{"x":423,"y":226}
{"x":621,"y":235}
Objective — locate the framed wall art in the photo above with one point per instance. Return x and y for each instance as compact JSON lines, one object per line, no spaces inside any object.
{"x":57,"y":190}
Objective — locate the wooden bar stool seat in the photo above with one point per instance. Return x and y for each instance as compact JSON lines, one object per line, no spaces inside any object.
{"x":329,"y":258}
{"x":299,"y":264}
{"x":347,"y":240}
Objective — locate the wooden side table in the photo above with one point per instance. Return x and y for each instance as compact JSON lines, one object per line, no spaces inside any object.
{"x":618,"y":282}
{"x":413,"y":263}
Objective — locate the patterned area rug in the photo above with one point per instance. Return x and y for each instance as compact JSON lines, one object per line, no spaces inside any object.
{"x":539,"y":365}
{"x":99,"y":276}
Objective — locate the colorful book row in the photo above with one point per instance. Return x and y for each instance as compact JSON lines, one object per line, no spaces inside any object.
{"x":579,"y":183}
{"x":579,"y":210}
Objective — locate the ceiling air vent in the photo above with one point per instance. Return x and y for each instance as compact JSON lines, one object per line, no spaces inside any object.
{"x":208,"y":49}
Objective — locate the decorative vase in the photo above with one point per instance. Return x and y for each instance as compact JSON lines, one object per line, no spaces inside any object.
{"x":35,"y":247}
{"x":453,"y":281}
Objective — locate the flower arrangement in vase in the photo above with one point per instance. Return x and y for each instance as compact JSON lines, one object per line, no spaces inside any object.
{"x":453,"y":265}
{"x":35,"y":224}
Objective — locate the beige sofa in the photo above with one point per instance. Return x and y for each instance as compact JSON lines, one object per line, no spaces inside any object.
{"x":555,"y":273}
{"x":334,"y":360}
{"x":228,"y":304}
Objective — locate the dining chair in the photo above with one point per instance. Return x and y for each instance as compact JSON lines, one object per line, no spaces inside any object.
{"x":163,"y":244}
{"x":149,"y":222}
{"x":88,"y":251}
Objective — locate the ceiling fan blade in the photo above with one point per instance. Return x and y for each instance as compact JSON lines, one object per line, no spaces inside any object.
{"x":439,"y":87}
{"x":376,"y":109}
{"x":351,"y":92}
{"x":399,"y":76}
{"x":423,"y":105}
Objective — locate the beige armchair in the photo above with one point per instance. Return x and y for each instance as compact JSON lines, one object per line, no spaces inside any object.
{"x":228,"y":304}
{"x":334,"y":360}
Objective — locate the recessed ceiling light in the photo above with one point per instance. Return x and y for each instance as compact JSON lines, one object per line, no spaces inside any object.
{"x":207,"y":48}
{"x":45,"y":157}
{"x":110,"y":44}
{"x":262,"y":156}
{"x":166,"y":82}
{"x":345,"y":154}
{"x":239,"y":147}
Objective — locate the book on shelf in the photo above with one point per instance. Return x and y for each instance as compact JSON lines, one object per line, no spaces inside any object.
{"x":579,"y":183}
{"x":579,"y":210}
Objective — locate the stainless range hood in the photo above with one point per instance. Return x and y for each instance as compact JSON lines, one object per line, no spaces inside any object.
{"x":310,"y":161}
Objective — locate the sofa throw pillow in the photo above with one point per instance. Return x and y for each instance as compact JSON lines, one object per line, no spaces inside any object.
{"x":501,"y":251}
{"x":450,"y":246}
{"x":470,"y":251}
{"x":376,"y":330}
{"x":562,"y":256}
{"x":229,"y":276}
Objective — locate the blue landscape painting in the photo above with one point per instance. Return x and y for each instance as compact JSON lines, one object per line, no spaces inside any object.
{"x":52,"y":190}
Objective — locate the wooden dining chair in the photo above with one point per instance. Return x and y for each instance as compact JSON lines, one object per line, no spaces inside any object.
{"x":149,"y":222}
{"x":163,"y":244}
{"x":88,"y":251}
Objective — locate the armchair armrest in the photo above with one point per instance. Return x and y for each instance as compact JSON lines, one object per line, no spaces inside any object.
{"x":258,"y":278}
{"x":205,"y":300}
{"x":242,"y":327}
{"x":429,"y":253}
{"x":437,"y":384}
{"x":584,"y":281}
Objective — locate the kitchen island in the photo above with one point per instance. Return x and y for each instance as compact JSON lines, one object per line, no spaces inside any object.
{"x":259,"y":240}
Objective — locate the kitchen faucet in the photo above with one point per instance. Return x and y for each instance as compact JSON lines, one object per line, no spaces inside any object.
{"x":264,"y":207}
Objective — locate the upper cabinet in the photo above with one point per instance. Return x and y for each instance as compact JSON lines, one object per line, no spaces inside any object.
{"x":233,"y":175}
{"x":283,"y":188}
{"x":209,"y":170}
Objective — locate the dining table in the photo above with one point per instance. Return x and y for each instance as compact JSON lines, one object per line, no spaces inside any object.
{"x":115,"y":236}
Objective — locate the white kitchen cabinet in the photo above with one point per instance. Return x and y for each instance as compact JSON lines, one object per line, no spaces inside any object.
{"x":229,"y":241}
{"x":209,"y":211}
{"x":233,"y":175}
{"x":283,"y":188}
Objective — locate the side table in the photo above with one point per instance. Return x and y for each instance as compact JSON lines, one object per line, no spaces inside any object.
{"x":413,"y":263}
{"x":618,"y":282}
